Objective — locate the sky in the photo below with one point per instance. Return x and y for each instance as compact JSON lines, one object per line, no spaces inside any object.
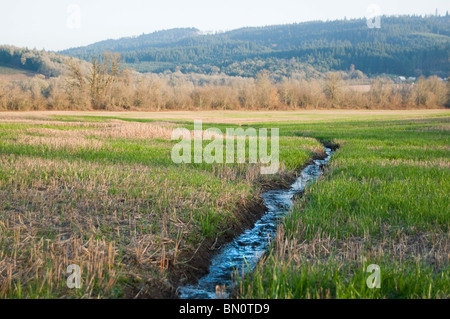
{"x":62,"y":24}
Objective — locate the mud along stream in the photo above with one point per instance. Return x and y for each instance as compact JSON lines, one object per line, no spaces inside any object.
{"x":243,"y":253}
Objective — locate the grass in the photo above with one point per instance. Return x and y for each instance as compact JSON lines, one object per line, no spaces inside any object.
{"x":384,"y":201}
{"x":105,"y":195}
{"x":103,"y":192}
{"x":12,"y":73}
{"x":239,"y":117}
{"x":9,"y":70}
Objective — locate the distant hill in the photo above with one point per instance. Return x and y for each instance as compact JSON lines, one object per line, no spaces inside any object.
{"x":405,"y":45}
{"x":25,"y":62}
{"x":142,"y":42}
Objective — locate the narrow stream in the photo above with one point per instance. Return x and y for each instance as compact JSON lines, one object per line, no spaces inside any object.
{"x":243,"y":253}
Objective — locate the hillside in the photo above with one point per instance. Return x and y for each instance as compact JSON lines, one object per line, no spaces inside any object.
{"x":12,"y":73}
{"x":22,"y":62}
{"x":405,"y":45}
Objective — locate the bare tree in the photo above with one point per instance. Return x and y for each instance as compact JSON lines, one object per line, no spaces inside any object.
{"x":332,"y":89}
{"x":76,"y":85}
{"x":76,"y":78}
{"x":102,"y":75}
{"x":447,"y":103}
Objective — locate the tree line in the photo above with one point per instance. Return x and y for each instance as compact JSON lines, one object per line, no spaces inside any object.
{"x":105,"y":85}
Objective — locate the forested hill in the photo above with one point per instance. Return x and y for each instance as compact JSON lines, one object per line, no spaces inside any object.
{"x":49,"y":64}
{"x":405,"y":45}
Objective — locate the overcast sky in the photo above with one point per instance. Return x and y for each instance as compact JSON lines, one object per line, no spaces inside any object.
{"x":61,"y":24}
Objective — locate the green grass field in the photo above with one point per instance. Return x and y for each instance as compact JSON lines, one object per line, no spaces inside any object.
{"x":101,"y":191}
{"x":383,"y":201}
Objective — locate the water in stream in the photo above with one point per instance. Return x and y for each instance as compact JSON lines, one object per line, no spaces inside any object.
{"x":243,"y":253}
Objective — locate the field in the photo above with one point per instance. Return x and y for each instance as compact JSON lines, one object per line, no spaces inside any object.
{"x":9,"y":73}
{"x":100,"y":190}
{"x":384,"y":201}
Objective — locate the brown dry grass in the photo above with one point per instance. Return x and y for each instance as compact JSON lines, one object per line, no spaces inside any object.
{"x":117,"y":220}
{"x":120,"y":129}
{"x":433,"y":248}
{"x":16,"y":77}
{"x":225,"y":116}
{"x":89,"y":136}
{"x":72,"y":142}
{"x":54,"y":215}
{"x":438,"y":162}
